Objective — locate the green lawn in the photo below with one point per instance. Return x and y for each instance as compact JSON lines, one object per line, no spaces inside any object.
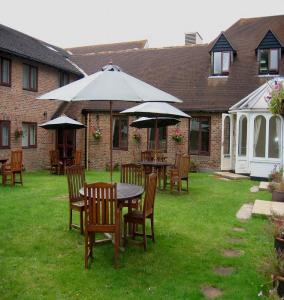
{"x":41,"y":259}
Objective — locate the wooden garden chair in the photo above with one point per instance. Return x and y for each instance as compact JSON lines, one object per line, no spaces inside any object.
{"x":139,"y":217}
{"x":180,"y":173}
{"x":56,"y":166}
{"x":146,"y":155}
{"x":14,"y":167}
{"x":76,"y":180}
{"x":102,"y":215}
{"x":77,"y":158}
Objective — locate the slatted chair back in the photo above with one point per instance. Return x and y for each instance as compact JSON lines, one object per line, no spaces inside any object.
{"x":101,"y":206}
{"x":146,"y":155}
{"x":16,"y":160}
{"x":54,"y":157}
{"x":77,"y":158}
{"x":177,"y":160}
{"x":150,"y":194}
{"x":131,"y":173}
{"x":76,"y":180}
{"x":160,"y":156}
{"x":184,"y":162}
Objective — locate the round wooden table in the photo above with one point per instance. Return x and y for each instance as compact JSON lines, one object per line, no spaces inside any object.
{"x":157,"y":166}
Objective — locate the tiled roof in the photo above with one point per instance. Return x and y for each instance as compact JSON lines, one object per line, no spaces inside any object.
{"x":20,"y":44}
{"x":108,"y":47}
{"x":185,"y":71}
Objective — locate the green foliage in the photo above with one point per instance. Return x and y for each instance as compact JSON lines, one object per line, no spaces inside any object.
{"x":276,"y":105}
{"x":41,"y":259}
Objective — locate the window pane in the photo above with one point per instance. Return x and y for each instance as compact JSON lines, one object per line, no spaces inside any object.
{"x":25,"y":136}
{"x":115,"y":133}
{"x":33,"y":78}
{"x":259,"y":136}
{"x":26,"y":77}
{"x":204,"y":128}
{"x":194,"y":133}
{"x":242,"y":151}
{"x":217,"y":62}
{"x":124,"y":133}
{"x":226,"y":61}
{"x":226,"y":137}
{"x":5,"y":134}
{"x":274,"y":59}
{"x":263,"y":61}
{"x":162,"y":139}
{"x":5,"y":75}
{"x":32,"y":131}
{"x":274,"y":137}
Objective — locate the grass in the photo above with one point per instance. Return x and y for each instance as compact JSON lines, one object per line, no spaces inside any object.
{"x":41,"y":259}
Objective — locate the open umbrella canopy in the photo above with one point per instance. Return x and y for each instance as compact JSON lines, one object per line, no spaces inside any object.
{"x":62,"y":122}
{"x":156,"y":110}
{"x":109,"y":84}
{"x":144,"y":122}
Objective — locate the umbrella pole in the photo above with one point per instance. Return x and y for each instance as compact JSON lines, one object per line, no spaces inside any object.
{"x":156,"y":138}
{"x":110,"y":139}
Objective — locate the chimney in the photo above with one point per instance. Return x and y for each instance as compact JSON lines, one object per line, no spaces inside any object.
{"x":193,"y":38}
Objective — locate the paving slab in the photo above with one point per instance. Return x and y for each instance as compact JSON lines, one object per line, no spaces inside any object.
{"x":232,"y":252}
{"x":239,"y":229}
{"x":211,"y":292}
{"x":254,"y":189}
{"x":267,"y":208}
{"x":230,"y":175}
{"x":263,"y":186}
{"x":245,"y":211}
{"x":236,"y":240}
{"x":224,"y":271}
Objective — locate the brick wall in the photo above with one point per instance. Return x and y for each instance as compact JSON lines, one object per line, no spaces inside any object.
{"x":18,"y":105}
{"x":99,"y":150}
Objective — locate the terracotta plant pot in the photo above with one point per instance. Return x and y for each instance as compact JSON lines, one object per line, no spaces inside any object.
{"x":279,"y":244}
{"x":278,"y":196}
{"x":278,"y":282}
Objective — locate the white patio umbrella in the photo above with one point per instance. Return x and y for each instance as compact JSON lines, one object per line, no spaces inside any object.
{"x":155,"y":110}
{"x":109,"y":84}
{"x":62,"y":122}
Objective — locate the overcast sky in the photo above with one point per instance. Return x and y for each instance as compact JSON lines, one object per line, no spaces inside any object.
{"x":163,"y":22}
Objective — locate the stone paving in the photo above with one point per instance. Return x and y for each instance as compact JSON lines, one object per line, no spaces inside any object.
{"x":263,"y":186}
{"x":267,"y":208}
{"x":231,"y":176}
{"x":224,"y":271}
{"x":211,"y":292}
{"x":245,"y":211}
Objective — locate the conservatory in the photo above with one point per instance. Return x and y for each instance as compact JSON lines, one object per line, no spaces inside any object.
{"x":252,"y":137}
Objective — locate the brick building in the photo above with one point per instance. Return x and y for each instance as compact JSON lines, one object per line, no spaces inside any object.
{"x":29,"y":67}
{"x":209,"y":78}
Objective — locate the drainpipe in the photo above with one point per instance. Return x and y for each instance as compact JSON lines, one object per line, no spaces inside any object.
{"x":87,"y":121}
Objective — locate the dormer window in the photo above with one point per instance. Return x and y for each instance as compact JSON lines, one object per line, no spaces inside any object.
{"x":268,"y":61}
{"x":221,"y":62}
{"x":269,"y":55}
{"x":222,"y":54}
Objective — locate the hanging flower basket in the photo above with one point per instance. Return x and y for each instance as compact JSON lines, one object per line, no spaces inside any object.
{"x":18,"y":133}
{"x":97,"y":134}
{"x":275,"y":99}
{"x":177,"y":136}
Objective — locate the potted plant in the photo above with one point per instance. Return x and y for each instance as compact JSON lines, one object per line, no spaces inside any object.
{"x":18,"y":133}
{"x":278,"y":276}
{"x":194,"y":167}
{"x":275,"y":99}
{"x":278,"y":192}
{"x":276,"y":174}
{"x":177,"y":136}
{"x":97,"y":134}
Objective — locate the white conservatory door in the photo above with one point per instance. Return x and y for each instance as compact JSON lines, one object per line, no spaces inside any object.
{"x":227,"y":143}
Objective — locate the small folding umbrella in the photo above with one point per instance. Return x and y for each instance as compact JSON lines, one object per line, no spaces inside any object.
{"x":155,"y":110}
{"x":62,"y":122}
{"x":109,"y":84}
